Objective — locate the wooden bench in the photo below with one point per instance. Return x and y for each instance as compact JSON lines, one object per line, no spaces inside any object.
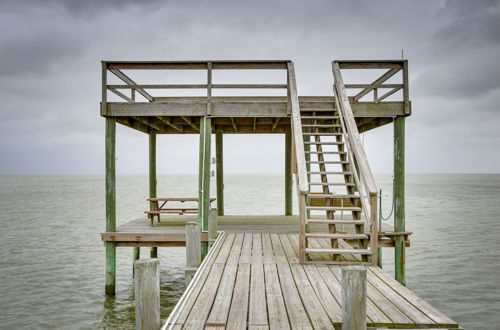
{"x":158,"y":206}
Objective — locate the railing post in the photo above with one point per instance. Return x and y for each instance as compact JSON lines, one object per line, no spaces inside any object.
{"x":147,"y":294}
{"x":219,"y":159}
{"x":212,"y":227}
{"x":353,"y":298}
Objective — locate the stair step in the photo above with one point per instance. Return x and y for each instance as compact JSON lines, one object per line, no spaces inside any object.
{"x":319,"y":117}
{"x":325,"y":143}
{"x":317,"y":110}
{"x":321,"y":134}
{"x":336,"y":222}
{"x":339,"y":251}
{"x":331,"y":173}
{"x":339,"y":184}
{"x":337,"y":162}
{"x":332,"y":196}
{"x":336,"y":236}
{"x":333,"y":208}
{"x":321,"y":125}
{"x":327,"y":152}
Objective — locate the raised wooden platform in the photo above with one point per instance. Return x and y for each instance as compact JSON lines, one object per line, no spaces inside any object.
{"x":170,"y":231}
{"x":254,"y":281}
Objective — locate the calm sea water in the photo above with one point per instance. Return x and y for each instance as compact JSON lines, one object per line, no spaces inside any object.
{"x":52,"y":259}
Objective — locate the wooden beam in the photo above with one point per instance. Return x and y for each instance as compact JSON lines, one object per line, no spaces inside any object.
{"x":135,"y":124}
{"x":120,"y":94}
{"x":110,"y":204}
{"x":245,"y":109}
{"x":129,"y":81}
{"x":369,"y":64}
{"x":254,"y":124}
{"x":168,"y":121}
{"x":386,"y":95}
{"x":234,"y":125}
{"x":190,"y":123}
{"x":377,"y":82}
{"x":196,"y":65}
{"x":276,"y":121}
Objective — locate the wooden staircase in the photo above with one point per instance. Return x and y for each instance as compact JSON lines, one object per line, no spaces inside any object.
{"x":337,"y":194}
{"x":333,"y":190}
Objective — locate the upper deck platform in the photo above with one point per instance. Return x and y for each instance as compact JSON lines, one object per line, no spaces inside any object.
{"x":143,"y":106}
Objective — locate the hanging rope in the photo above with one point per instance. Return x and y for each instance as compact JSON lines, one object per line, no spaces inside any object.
{"x":392,"y":204}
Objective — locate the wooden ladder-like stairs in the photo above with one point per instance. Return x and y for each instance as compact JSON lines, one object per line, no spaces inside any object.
{"x":332,"y":191}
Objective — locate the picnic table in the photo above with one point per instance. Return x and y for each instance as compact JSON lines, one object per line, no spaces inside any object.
{"x":160,"y":206}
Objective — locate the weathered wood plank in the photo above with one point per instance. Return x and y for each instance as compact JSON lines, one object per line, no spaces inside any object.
{"x":239,"y":305}
{"x":278,"y":318}
{"x":203,"y":304}
{"x":317,"y":315}
{"x":220,"y":308}
{"x":257,"y":312}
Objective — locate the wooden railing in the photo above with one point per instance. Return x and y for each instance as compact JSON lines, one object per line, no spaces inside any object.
{"x":362,"y":173}
{"x":131,"y":88}
{"x":379,"y":88}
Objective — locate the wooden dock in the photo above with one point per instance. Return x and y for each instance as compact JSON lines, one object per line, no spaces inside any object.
{"x":255,"y":281}
{"x":171,"y":232}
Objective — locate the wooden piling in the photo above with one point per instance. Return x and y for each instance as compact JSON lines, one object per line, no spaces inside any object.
{"x":353,"y":298}
{"x":193,"y":250}
{"x":219,"y":147}
{"x":399,"y":198}
{"x":152,"y":178}
{"x":147,"y":294}
{"x":193,"y":241}
{"x":204,"y":177}
{"x":288,"y":173}
{"x":110,"y":204}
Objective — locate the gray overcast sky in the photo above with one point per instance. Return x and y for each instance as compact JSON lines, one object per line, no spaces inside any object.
{"x":50,"y":75}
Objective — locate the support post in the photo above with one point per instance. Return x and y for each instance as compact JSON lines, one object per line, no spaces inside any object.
{"x":136,"y":253}
{"x":147,"y":294}
{"x":204,"y":178}
{"x":193,"y":249}
{"x":288,"y":173}
{"x":399,"y":198}
{"x":353,"y":298}
{"x":219,"y":147}
{"x":152,"y":179}
{"x":110,"y":204}
{"x":212,"y":227}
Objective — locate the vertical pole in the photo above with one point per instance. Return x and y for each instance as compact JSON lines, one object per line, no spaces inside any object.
{"x":399,"y":197}
{"x":147,"y":294}
{"x":219,"y":147}
{"x":353,"y":298}
{"x":288,"y":173}
{"x":152,"y":178}
{"x":204,"y":178}
{"x":136,"y":253}
{"x":110,"y":204}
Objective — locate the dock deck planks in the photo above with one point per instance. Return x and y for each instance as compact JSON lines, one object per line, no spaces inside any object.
{"x":254,"y":281}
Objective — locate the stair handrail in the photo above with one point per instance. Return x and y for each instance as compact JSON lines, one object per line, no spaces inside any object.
{"x":358,"y":156}
{"x":298,"y":141}
{"x":298,"y":158}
